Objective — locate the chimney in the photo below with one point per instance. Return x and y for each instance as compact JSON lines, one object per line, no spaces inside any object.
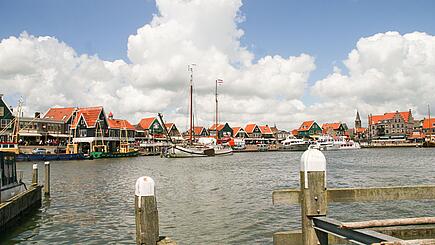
{"x":37,"y":115}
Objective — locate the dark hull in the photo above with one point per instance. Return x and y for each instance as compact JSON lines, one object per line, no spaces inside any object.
{"x":97,"y":155}
{"x":49,"y":157}
{"x":428,"y":144}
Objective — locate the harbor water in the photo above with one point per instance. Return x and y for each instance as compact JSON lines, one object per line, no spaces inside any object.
{"x":221,"y":200}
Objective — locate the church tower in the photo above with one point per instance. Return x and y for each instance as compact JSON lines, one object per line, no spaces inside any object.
{"x":357,"y":120}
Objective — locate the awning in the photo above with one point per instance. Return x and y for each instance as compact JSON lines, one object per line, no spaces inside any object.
{"x":30,"y":134}
{"x":60,"y":135}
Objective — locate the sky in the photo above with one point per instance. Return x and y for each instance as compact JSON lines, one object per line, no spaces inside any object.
{"x":282,"y":62}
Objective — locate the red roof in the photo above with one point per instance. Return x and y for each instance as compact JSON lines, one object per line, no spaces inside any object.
{"x":249,"y":128}
{"x":294,"y":132}
{"x":59,"y":114}
{"x":120,"y":124}
{"x":306,"y":125}
{"x":360,"y":130}
{"x":390,"y":115}
{"x":236,"y":130}
{"x":198,"y":130}
{"x":169,"y":126}
{"x":334,"y":126}
{"x":265,"y":130}
{"x":145,"y":123}
{"x":90,"y":114}
{"x":426,"y":123}
{"x":219,"y":127}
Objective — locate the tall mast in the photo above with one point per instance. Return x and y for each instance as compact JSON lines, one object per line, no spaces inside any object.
{"x":217,"y":108}
{"x":430,"y":124}
{"x":190,"y":68}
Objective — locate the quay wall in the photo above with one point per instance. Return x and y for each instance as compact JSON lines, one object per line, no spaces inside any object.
{"x":15,"y":208}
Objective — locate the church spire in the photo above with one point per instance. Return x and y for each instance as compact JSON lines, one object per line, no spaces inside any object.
{"x":357,"y":120}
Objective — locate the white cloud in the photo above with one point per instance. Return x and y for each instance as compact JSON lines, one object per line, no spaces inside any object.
{"x":386,"y":72}
{"x":47,"y":72}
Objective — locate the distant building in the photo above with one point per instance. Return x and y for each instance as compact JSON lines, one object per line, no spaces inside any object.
{"x":149,"y":128}
{"x":36,"y":130}
{"x":224,"y":130}
{"x":428,"y":127}
{"x":266,"y":132}
{"x":198,"y":131}
{"x":253,"y":130}
{"x":359,"y":133}
{"x":309,"y":129}
{"x":391,"y":125}
{"x":334,"y":129}
{"x":278,"y":134}
{"x":239,"y":132}
{"x":6,"y":121}
{"x":172,"y":130}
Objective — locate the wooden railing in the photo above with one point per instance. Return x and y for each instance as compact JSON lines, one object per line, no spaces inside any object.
{"x":313,"y":196}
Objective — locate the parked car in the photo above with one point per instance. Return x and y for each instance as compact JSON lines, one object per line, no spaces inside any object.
{"x":39,"y":151}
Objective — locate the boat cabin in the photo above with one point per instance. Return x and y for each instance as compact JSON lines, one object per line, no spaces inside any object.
{"x":10,"y":184}
{"x":6,"y":119}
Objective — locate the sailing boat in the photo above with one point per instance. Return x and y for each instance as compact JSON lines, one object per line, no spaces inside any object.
{"x":190,"y":149}
{"x":219,"y":148}
{"x":429,"y":142}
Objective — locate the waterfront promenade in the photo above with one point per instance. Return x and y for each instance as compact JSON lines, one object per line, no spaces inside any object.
{"x":212,"y":200}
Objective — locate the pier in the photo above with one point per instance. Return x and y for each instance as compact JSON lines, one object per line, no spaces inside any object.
{"x":313,"y":196}
{"x":18,"y":206}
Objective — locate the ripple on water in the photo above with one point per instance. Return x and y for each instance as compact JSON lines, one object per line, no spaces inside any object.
{"x":222,"y":200}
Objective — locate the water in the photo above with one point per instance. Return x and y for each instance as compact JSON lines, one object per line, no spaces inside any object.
{"x":222,"y":200}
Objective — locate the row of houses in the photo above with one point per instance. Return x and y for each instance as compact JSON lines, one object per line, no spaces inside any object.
{"x":398,"y":125}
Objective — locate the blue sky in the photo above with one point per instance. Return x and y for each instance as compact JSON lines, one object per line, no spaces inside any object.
{"x":327,"y":30}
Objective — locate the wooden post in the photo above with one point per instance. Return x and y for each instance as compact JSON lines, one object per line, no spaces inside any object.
{"x":147,"y":218}
{"x":313,"y":194}
{"x":35,"y":174}
{"x":47,"y":179}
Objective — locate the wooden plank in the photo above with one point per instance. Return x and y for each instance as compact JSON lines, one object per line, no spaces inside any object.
{"x":286,"y":196}
{"x":388,"y":222}
{"x":346,"y":195}
{"x":294,"y":237}
{"x":410,"y":242}
{"x":381,"y":193}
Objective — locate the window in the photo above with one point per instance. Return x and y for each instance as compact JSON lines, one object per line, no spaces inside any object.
{"x":2,"y":111}
{"x":83,"y":132}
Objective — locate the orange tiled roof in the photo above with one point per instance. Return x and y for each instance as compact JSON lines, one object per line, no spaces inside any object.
{"x":426,"y":123}
{"x":219,"y":127}
{"x":198,"y":130}
{"x":389,"y":115}
{"x":169,"y":126}
{"x":120,"y":124}
{"x":249,"y":128}
{"x":89,"y":114}
{"x":59,"y":114}
{"x":236,"y":130}
{"x":334,"y":126}
{"x":360,"y":130}
{"x":145,"y":123}
{"x":294,"y":132}
{"x":306,"y":125}
{"x":265,"y":130}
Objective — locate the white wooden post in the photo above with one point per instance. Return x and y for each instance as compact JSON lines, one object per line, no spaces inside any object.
{"x":147,"y":218}
{"x":313,"y":192}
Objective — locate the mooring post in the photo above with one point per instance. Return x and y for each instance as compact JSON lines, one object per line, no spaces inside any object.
{"x":47,"y":179}
{"x":313,"y":194}
{"x":35,"y":174}
{"x":147,"y":218}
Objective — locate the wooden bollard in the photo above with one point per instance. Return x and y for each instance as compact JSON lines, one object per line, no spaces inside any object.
{"x":147,"y":218}
{"x":47,"y":179}
{"x":35,"y":174}
{"x":313,"y":193}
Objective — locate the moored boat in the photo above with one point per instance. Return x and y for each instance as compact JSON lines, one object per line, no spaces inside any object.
{"x":294,"y":144}
{"x":10,"y":184}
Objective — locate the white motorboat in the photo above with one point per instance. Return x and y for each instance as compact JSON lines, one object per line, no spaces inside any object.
{"x":178,"y":151}
{"x":328,"y":143}
{"x":294,"y":144}
{"x":10,"y":184}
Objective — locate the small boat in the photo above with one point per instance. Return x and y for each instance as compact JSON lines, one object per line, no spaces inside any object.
{"x":10,"y":184}
{"x":328,"y":143}
{"x":9,"y":147}
{"x":178,"y":151}
{"x":262,"y":147}
{"x":97,"y":155}
{"x":429,"y":142}
{"x":294,"y":144}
